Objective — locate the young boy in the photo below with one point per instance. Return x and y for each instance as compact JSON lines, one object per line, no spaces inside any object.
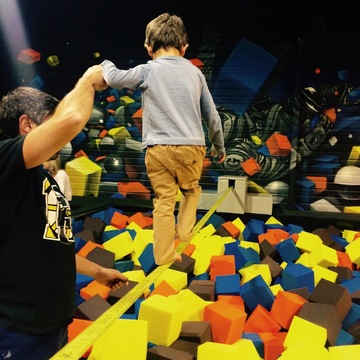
{"x":175,"y":101}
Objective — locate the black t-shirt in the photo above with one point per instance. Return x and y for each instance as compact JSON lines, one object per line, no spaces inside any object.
{"x":37,"y":252}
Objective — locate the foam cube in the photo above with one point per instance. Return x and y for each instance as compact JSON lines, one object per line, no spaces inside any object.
{"x":164,"y":317}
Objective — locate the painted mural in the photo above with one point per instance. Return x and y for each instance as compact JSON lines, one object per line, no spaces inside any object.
{"x":291,"y":121}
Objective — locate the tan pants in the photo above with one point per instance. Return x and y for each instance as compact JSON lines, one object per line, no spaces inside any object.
{"x":170,"y":167}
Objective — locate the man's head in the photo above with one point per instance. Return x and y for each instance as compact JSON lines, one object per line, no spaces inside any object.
{"x":24,"y":104}
{"x":166,"y":31}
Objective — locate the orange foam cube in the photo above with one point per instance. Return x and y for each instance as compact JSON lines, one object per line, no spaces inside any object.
{"x":227,"y":321}
{"x":285,"y":306}
{"x":76,"y":328}
{"x":251,"y":166}
{"x":94,"y":288}
{"x":278,"y":145}
{"x":222,"y":265}
{"x":29,"y":56}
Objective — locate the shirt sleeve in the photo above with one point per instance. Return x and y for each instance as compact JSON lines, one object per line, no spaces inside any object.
{"x":120,"y":79}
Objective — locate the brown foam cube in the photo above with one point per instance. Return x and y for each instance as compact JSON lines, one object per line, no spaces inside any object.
{"x":91,"y":309}
{"x":196,"y":331}
{"x":268,"y":249}
{"x":303,"y":292}
{"x":117,"y":294}
{"x":102,"y":257}
{"x":327,"y":292}
{"x":324,"y":236}
{"x":354,"y":331}
{"x":95,"y":224}
{"x":331,"y":229}
{"x":285,"y":306}
{"x":160,"y":352}
{"x":186,"y":346}
{"x":87,"y":235}
{"x":323,"y":315}
{"x":355,"y":297}
{"x":344,"y":273}
{"x":203,"y":288}
{"x":275,"y":268}
{"x":186,"y":265}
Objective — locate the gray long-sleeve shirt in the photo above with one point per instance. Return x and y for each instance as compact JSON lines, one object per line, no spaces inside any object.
{"x":175,"y":101}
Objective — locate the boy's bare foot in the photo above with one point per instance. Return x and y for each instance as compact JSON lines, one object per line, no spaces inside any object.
{"x":177,"y":257}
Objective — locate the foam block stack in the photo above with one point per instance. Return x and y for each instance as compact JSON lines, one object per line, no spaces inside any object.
{"x":261,"y":290}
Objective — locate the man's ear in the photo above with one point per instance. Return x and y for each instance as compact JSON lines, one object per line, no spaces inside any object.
{"x":183,"y":49}
{"x":25,"y":125}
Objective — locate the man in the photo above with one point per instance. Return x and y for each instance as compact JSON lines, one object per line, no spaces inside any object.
{"x":37,"y":255}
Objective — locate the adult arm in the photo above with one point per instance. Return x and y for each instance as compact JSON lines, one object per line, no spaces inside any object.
{"x":70,"y":117}
{"x":105,"y":276}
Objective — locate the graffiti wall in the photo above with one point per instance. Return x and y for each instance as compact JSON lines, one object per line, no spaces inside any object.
{"x":284,"y":78}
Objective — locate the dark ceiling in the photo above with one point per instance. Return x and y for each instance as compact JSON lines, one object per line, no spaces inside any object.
{"x":75,"y":30}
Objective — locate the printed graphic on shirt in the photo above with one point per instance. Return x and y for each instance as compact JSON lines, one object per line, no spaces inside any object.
{"x":58,"y":214}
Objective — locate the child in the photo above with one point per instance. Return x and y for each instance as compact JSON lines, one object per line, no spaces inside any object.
{"x":53,"y":166}
{"x":175,"y":101}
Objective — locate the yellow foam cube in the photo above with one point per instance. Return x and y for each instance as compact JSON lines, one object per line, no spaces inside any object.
{"x":121,"y":244}
{"x":176,"y":279}
{"x":345,"y":352}
{"x":84,"y":176}
{"x":250,"y":244}
{"x":276,"y":288}
{"x":321,"y":272}
{"x":353,"y":250}
{"x":126,"y":337}
{"x":302,"y":331}
{"x":140,"y":242}
{"x":164,"y":317}
{"x":324,"y":255}
{"x":126,"y":100}
{"x":349,"y":235}
{"x":193,"y":305}
{"x":308,"y":241}
{"x":239,"y":224}
{"x":239,"y":350}
{"x":305,"y":259}
{"x":205,"y":249}
{"x":249,"y":272}
{"x":305,"y":351}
